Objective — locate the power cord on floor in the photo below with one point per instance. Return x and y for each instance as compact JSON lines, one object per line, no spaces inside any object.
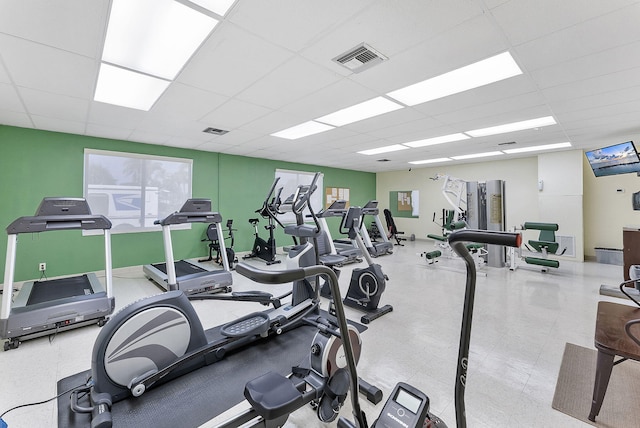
{"x":3,"y":424}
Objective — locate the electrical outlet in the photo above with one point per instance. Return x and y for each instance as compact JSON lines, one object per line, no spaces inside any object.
{"x":42,"y":267}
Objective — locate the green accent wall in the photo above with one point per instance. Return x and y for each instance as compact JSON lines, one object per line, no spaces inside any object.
{"x":35,"y":164}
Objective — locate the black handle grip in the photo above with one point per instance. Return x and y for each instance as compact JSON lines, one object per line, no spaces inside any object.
{"x":508,"y":239}
{"x":280,"y":276}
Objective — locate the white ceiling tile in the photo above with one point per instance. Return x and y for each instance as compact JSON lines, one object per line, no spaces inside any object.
{"x":524,"y":20}
{"x":582,"y":39}
{"x":234,"y":114}
{"x":148,"y":137}
{"x":599,"y":64}
{"x":54,"y":106}
{"x":12,"y":118}
{"x":9,"y":99}
{"x":187,"y":102}
{"x":107,"y":132}
{"x":290,"y":82}
{"x":71,"y":25}
{"x":48,"y":69}
{"x":58,"y":125}
{"x":231,"y":60}
{"x":277,"y":21}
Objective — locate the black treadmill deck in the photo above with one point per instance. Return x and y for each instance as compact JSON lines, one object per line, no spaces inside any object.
{"x":183,"y":268}
{"x":47,"y":291}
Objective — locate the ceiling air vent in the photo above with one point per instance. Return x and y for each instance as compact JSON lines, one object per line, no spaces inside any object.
{"x":215,"y":131}
{"x":360,"y":58}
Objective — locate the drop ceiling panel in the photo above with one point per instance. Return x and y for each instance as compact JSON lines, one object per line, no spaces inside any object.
{"x":111,"y":132}
{"x":12,"y":118}
{"x":599,"y":64}
{"x":233,"y":114}
{"x":48,"y":69}
{"x":583,"y":39}
{"x":72,"y":25}
{"x":339,"y":95}
{"x":9,"y":99}
{"x":525,"y":20}
{"x":625,"y":80}
{"x":194,"y":102}
{"x":289,"y":82}
{"x":231,"y":60}
{"x":58,"y":125}
{"x":54,"y":106}
{"x":118,"y":117}
{"x":277,"y":21}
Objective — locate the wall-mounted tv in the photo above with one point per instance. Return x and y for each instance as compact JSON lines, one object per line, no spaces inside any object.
{"x":617,"y":159}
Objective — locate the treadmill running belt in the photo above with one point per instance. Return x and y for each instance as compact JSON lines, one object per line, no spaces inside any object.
{"x":183,"y":268}
{"x":47,"y":291}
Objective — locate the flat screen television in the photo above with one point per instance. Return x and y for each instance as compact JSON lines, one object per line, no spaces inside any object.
{"x":617,"y":159}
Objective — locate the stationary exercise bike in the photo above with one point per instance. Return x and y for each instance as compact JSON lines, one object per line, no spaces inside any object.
{"x":367,"y":284}
{"x":266,"y":250}
{"x":214,"y":245}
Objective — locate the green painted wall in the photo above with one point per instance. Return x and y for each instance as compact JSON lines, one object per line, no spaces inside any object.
{"x":35,"y":164}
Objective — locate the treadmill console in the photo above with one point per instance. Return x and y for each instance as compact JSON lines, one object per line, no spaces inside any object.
{"x":196,"y":205}
{"x":63,"y":206}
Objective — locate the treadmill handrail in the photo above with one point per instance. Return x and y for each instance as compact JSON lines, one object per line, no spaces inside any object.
{"x":29,"y":224}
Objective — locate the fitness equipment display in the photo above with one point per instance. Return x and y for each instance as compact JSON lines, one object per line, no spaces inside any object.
{"x":543,"y":246}
{"x":348,"y":249}
{"x":214,"y":245}
{"x":266,"y":250}
{"x":45,"y":307}
{"x":375,"y":248}
{"x":182,"y":274}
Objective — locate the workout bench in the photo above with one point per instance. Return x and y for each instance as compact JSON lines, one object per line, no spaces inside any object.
{"x":545,"y":244}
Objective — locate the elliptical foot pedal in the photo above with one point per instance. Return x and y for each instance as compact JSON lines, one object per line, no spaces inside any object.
{"x":334,"y":395}
{"x":248,"y":325}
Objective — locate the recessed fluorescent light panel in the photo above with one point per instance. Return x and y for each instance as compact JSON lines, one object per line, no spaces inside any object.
{"x":221,"y":7}
{"x":365,"y":110}
{"x":302,"y":130}
{"x":384,"y":149}
{"x":512,"y":127}
{"x":438,"y":160}
{"x":478,"y":74}
{"x":477,"y":155}
{"x":437,"y":140}
{"x":538,"y":148}
{"x":155,"y":37}
{"x":127,"y":88}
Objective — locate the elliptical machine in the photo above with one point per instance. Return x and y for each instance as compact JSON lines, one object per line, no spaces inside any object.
{"x":266,"y":250}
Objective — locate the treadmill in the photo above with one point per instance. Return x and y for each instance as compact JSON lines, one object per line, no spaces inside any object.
{"x":44,"y":307}
{"x":375,"y":248}
{"x":188,"y":276}
{"x":346,"y":249}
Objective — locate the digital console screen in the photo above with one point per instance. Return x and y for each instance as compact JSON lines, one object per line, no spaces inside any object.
{"x":408,"y":400}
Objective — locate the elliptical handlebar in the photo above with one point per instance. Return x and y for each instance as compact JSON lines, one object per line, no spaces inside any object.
{"x":457,"y":241}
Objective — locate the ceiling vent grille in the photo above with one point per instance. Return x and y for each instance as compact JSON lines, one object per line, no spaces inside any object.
{"x":360,"y":58}
{"x":215,"y":131}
